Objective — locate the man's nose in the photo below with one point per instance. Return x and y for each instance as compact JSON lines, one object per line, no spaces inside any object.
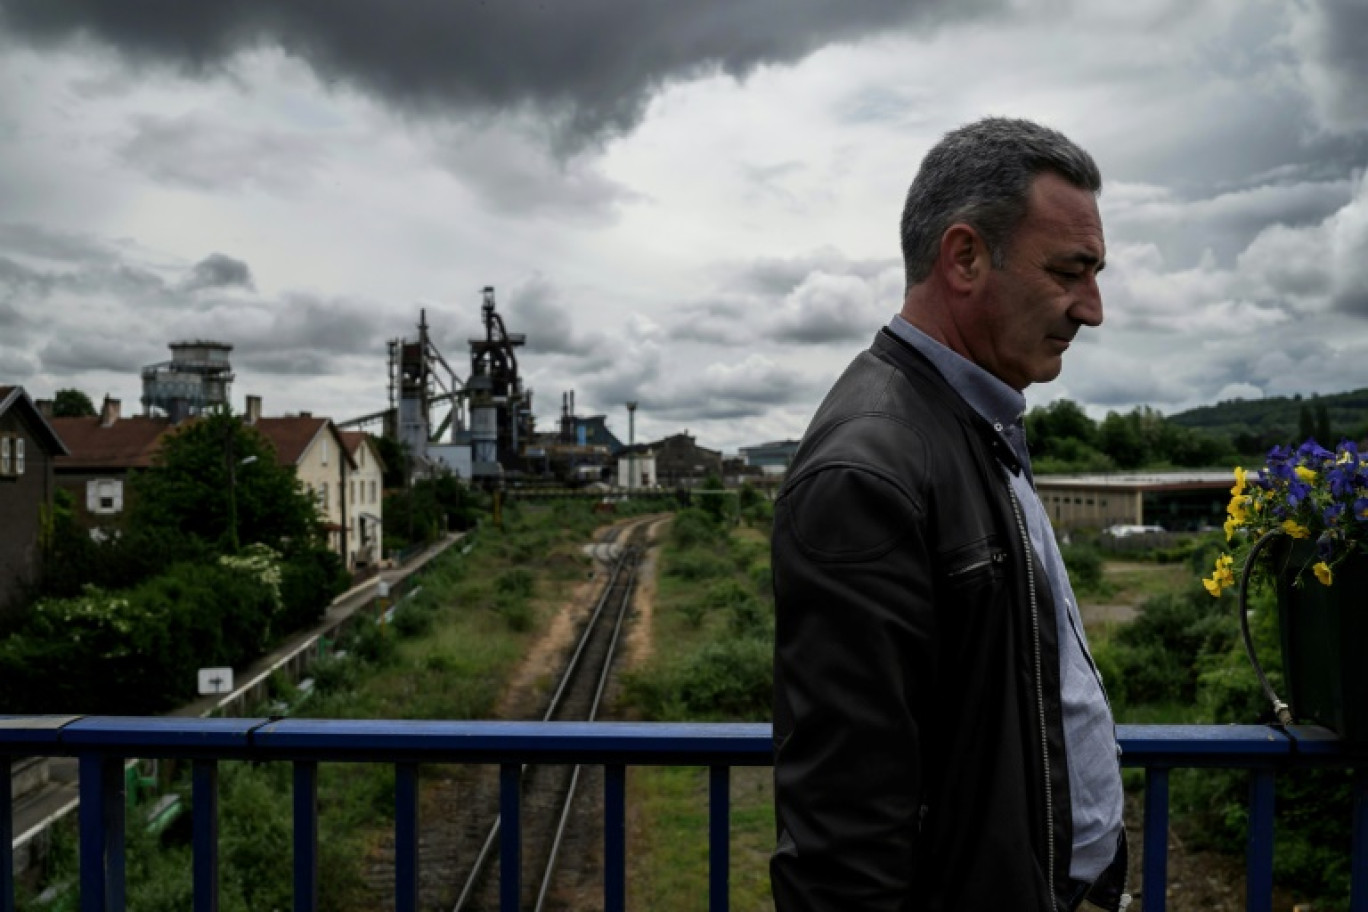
{"x":1087,"y":308}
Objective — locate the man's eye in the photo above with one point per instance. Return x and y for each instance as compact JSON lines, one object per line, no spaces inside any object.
{"x":1068,"y":274}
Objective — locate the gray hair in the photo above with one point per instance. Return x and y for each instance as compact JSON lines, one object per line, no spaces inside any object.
{"x":980,"y":175}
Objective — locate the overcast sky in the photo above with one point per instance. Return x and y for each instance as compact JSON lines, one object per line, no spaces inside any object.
{"x":693,"y":205}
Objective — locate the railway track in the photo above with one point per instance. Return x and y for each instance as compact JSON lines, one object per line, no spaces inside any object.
{"x":459,"y":845}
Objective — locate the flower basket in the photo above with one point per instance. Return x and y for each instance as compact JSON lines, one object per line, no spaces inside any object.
{"x":1300,"y":523}
{"x":1324,"y":632}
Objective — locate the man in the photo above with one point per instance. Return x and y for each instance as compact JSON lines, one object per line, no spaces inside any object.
{"x":942,"y":740}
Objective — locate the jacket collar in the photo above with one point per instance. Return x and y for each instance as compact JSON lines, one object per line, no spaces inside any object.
{"x":889,"y":347}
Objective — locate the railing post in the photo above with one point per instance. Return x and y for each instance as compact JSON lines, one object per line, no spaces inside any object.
{"x":205,"y":800}
{"x":406,"y":837}
{"x":1155,"y":875}
{"x":719,"y":837}
{"x":510,"y":836}
{"x":305,"y":836}
{"x":1358,"y":878}
{"x":614,"y":838}
{"x":102,"y":833}
{"x":7,"y":837}
{"x":1259,"y":848}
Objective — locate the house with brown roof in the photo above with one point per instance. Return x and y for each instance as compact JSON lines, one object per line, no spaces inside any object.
{"x":103,"y":451}
{"x":28,"y":446}
{"x":365,"y":495}
{"x":323,"y":463}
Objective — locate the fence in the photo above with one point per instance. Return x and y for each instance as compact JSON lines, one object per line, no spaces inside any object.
{"x":101,"y":745}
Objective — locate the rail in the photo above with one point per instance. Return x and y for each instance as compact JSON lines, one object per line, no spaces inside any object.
{"x":102,"y":743}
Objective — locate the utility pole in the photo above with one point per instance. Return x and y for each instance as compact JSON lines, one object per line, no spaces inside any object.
{"x":633,"y":481}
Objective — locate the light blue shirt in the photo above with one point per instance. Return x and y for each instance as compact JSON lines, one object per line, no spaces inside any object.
{"x":1089,"y":730}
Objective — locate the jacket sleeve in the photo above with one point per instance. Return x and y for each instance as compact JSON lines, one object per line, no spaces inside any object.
{"x":854,"y":670}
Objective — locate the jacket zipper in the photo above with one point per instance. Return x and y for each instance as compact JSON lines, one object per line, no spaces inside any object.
{"x":1040,"y":689}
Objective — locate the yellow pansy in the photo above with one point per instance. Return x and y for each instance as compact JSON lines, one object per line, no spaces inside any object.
{"x":1239,"y":481}
{"x":1230,"y":526}
{"x":1223,"y":578}
{"x":1295,"y":529}
{"x":1305,"y":474}
{"x":1324,"y":573}
{"x":1236,"y":508}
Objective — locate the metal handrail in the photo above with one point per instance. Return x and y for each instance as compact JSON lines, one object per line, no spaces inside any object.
{"x":102,"y":744}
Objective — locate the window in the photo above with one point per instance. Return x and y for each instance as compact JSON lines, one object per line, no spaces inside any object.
{"x":323,"y":497}
{"x":351,"y":491}
{"x":325,"y":451}
{"x":6,"y":462}
{"x":104,"y":496}
{"x":372,"y":499}
{"x":18,"y":455}
{"x":361,"y":456}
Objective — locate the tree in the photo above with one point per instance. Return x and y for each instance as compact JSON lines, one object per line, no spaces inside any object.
{"x":394,"y":454}
{"x":1324,"y":434}
{"x":72,"y":403}
{"x":217,"y":481}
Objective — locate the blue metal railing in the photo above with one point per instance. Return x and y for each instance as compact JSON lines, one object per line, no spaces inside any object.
{"x":103,"y":743}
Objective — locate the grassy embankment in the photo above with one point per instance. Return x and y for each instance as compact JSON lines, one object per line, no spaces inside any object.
{"x":714,"y":610}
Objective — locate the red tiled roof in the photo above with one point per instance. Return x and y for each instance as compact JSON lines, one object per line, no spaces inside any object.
{"x":290,"y":436}
{"x":355,"y":440}
{"x":129,"y":443}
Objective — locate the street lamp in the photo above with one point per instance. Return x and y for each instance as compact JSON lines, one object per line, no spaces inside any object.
{"x":232,"y":497}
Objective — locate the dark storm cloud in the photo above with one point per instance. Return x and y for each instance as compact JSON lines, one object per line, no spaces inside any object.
{"x":591,"y":66}
{"x":1333,"y":37}
{"x":218,"y":270}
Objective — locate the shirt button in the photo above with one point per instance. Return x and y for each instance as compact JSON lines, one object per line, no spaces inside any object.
{"x":997,"y":426}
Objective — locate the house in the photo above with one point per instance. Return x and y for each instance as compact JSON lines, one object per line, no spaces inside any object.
{"x":323,"y":464}
{"x":680,"y":461}
{"x":636,"y":467}
{"x":102,"y":451}
{"x":365,"y":492}
{"x":28,"y":446}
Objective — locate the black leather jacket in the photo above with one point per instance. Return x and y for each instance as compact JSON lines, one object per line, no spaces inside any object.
{"x":919,"y":745}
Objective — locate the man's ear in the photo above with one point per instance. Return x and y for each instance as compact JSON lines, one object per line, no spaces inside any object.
{"x":963,"y":257}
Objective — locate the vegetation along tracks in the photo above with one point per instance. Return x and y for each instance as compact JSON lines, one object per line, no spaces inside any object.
{"x":548,"y":792}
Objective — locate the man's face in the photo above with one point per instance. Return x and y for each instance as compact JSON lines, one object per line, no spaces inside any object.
{"x":1030,"y":310}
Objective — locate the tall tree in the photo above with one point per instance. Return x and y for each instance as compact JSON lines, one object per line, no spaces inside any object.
{"x":218,"y":480}
{"x":72,"y":403}
{"x":1324,"y":433}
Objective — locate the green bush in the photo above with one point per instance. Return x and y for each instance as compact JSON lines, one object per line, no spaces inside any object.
{"x":516,"y":611}
{"x":413,"y":618}
{"x":309,"y":582}
{"x":518,"y":581}
{"x":695,"y":565}
{"x":135,"y":651}
{"x":723,"y":680}
{"x":693,"y":527}
{"x":1084,"y":563}
{"x":371,"y":642}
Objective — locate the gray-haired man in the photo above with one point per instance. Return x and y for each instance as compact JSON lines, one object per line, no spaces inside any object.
{"x":942,"y":740}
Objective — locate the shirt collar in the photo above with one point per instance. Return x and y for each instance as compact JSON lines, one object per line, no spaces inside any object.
{"x":997,"y":403}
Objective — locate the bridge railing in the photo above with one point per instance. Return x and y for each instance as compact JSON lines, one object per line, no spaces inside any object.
{"x":102,"y":744}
